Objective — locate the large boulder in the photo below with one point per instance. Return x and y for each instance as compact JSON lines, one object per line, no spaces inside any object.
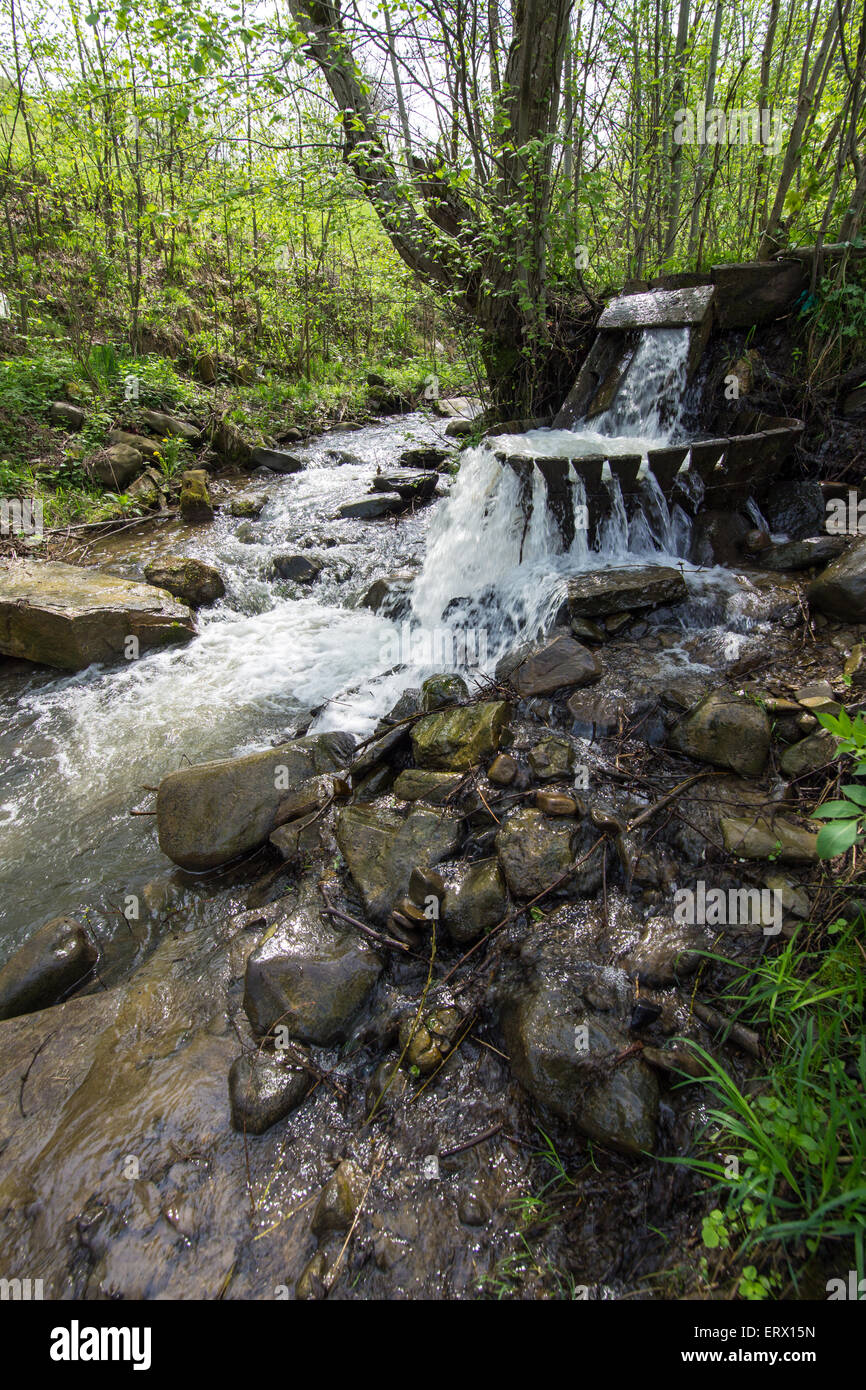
{"x":600,"y":593}
{"x":726,"y":730}
{"x":277,"y":461}
{"x":212,"y":812}
{"x":169,"y":425}
{"x":190,"y":580}
{"x":308,"y":977}
{"x":67,"y":616}
{"x":455,"y":739}
{"x":300,"y":569}
{"x":382,"y":848}
{"x":840,"y":591}
{"x":55,"y":959}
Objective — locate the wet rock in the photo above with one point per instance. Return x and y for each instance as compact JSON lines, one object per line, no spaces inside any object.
{"x":425,"y":884}
{"x":431,"y":457}
{"x":563,"y":1054}
{"x":118,"y":466}
{"x":169,"y":425}
{"x":246,"y":506}
{"x":719,"y":538}
{"x":301,"y":569}
{"x":808,"y":755}
{"x":307,"y":976}
{"x":503,"y":770}
{"x":726,"y":730}
{"x":560,"y":663}
{"x":534,"y":852}
{"x":417,"y":784}
{"x":389,"y":595}
{"x":412,"y":487}
{"x":381,"y":848}
{"x":439,"y":691}
{"x":641,"y":864}
{"x":212,"y":812}
{"x":459,"y":429}
{"x":800,"y":555}
{"x":555,"y":804}
{"x":371,"y":508}
{"x":313,"y":1282}
{"x":264,"y":1088}
{"x":387,"y":1086}
{"x":761,"y":838}
{"x":195,"y":503}
{"x":277,"y":460}
{"x":666,"y":953}
{"x":192,"y":581}
{"x":840,"y":592}
{"x":795,"y":509}
{"x":457,"y":739}
{"x":341,"y":1197}
{"x":427,"y":1041}
{"x":64,"y":413}
{"x":551,"y":758}
{"x":601,"y":592}
{"x":476,"y":901}
{"x":67,"y":616}
{"x":818,"y":698}
{"x":51,"y":963}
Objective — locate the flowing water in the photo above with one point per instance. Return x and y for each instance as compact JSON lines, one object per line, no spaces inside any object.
{"x":78,"y":753}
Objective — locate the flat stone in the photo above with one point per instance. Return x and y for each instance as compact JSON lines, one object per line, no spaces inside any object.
{"x":371,"y":508}
{"x":421,"y":784}
{"x":67,"y":616}
{"x":599,"y":593}
{"x":760,"y":838}
{"x":49,"y":965}
{"x":560,"y":663}
{"x":408,"y":485}
{"x":555,"y":804}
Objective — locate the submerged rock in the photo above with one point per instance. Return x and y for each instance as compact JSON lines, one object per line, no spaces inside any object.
{"x":67,"y":616}
{"x":457,"y":739}
{"x":56,"y":958}
{"x":302,"y":569}
{"x":381,"y":848}
{"x":212,"y":812}
{"x":263,"y":1088}
{"x":190,"y":580}
{"x":726,"y":730}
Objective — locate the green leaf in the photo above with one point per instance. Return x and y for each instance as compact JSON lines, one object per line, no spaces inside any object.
{"x":836,"y":810}
{"x":836,"y":838}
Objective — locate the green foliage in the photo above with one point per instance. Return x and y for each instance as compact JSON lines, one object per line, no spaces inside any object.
{"x":846,"y":815}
